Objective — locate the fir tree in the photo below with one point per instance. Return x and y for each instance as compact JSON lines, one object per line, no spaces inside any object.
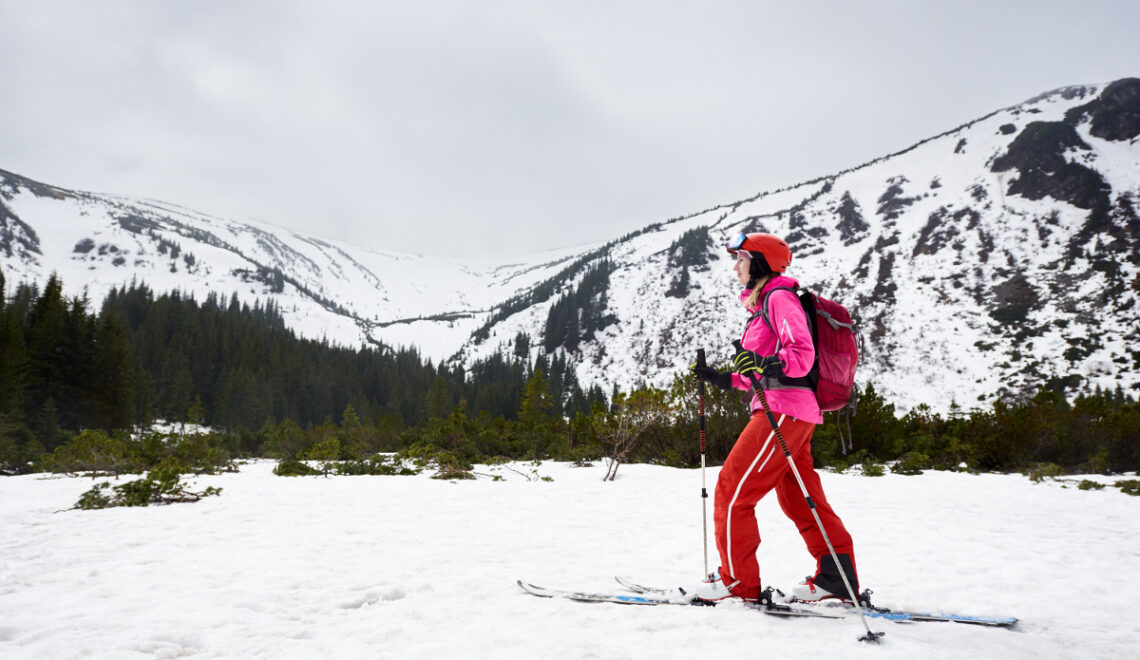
{"x":113,"y":375}
{"x":47,"y":425}
{"x":47,"y":321}
{"x":534,"y":414}
{"x":195,"y":414}
{"x":13,"y":362}
{"x":438,"y":400}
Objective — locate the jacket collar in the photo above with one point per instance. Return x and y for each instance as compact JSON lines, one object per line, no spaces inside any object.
{"x":778,"y":280}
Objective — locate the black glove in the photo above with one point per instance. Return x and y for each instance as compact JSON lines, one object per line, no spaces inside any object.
{"x":752,"y":365}
{"x":710,"y":375}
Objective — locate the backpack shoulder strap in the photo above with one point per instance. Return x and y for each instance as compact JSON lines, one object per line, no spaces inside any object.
{"x":764,"y":311}
{"x":781,"y":381}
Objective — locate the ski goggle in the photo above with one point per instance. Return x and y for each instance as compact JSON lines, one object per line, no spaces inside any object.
{"x":736,"y":242}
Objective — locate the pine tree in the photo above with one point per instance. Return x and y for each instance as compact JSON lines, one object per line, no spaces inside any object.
{"x":352,"y":432}
{"x":46,"y":323}
{"x":195,"y":414}
{"x":438,"y":400}
{"x":522,"y":345}
{"x":114,"y":376}
{"x":572,"y":332}
{"x":534,"y":414}
{"x":144,"y":402}
{"x":79,"y":407}
{"x":875,"y":428}
{"x":176,"y":386}
{"x":47,"y":425}
{"x":13,"y":362}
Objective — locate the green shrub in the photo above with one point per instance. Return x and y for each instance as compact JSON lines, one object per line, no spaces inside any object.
{"x":911,"y":463}
{"x":448,"y":464}
{"x":379,"y":465}
{"x":1097,"y":463}
{"x":95,"y":452}
{"x":873,"y":469}
{"x":1129,"y":486}
{"x":1041,"y":471}
{"x":294,"y":468}
{"x":841,"y":462}
{"x":1087,"y":484}
{"x":162,"y":485}
{"x":449,"y":473}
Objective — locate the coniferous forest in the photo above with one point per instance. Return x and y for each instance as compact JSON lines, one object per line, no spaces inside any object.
{"x":80,"y":389}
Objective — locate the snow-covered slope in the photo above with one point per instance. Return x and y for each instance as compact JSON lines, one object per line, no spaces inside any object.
{"x":325,"y":289}
{"x":982,"y":262}
{"x":343,"y":567}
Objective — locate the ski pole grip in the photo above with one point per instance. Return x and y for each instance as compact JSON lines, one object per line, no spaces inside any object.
{"x":700,"y":357}
{"x":751,"y":376}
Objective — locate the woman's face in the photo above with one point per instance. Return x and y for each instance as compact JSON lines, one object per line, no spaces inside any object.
{"x":743,"y":263}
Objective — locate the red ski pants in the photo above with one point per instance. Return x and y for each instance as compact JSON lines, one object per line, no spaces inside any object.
{"x":754,"y":467}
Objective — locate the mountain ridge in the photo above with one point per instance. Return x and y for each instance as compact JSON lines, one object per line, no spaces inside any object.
{"x":983,"y":262}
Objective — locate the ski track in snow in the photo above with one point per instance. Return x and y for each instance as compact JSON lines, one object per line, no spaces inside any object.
{"x":411,"y":567}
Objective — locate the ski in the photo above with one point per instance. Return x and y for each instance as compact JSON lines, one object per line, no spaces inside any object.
{"x":624,"y":599}
{"x":653,"y":596}
{"x":801,"y":608}
{"x":638,"y":588}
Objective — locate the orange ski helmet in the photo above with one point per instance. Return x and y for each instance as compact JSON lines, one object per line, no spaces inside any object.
{"x":774,"y":252}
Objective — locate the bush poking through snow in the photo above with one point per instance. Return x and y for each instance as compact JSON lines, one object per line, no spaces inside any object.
{"x":102,"y":454}
{"x":621,"y":430}
{"x":873,"y":469}
{"x":1041,"y":471}
{"x":378,"y":465}
{"x":1129,"y":486}
{"x":912,"y":463}
{"x":294,"y":468}
{"x":448,"y":464}
{"x":162,"y":485}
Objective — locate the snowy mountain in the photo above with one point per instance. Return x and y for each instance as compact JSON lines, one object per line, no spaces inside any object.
{"x":326,"y":289}
{"x":981,"y":262}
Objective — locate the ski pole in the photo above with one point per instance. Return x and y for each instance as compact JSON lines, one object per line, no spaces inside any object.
{"x":870,"y":636}
{"x":704,"y":490}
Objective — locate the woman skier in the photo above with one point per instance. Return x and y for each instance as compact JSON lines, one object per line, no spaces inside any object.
{"x":777,"y":357}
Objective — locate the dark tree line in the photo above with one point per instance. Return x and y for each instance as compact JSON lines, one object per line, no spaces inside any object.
{"x":540,"y":293}
{"x":579,"y":314}
{"x":65,"y":371}
{"x":690,"y":250}
{"x":146,"y":357}
{"x":61,"y":367}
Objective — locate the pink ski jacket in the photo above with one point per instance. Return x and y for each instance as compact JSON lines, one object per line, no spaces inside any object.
{"x":796,"y":350}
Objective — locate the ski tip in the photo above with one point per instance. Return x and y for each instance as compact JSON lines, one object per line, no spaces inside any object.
{"x":530,"y":588}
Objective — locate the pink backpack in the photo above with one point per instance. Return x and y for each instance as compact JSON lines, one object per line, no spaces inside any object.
{"x":832,"y":376}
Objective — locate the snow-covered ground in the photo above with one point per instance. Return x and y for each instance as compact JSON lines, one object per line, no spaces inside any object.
{"x":410,"y":567}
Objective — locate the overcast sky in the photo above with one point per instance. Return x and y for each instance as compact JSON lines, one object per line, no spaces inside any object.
{"x":497,"y":128}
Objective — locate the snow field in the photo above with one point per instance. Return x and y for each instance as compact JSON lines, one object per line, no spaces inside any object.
{"x":411,"y":567}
